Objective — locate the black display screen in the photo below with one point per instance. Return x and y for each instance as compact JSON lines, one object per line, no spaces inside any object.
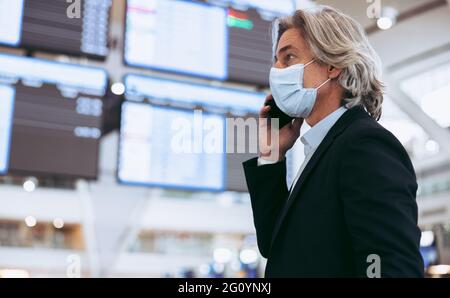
{"x":57,"y":120}
{"x":57,"y":26}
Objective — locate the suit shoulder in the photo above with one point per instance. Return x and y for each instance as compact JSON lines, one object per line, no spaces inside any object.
{"x":368,"y":131}
{"x":367,"y":134}
{"x":368,"y":128}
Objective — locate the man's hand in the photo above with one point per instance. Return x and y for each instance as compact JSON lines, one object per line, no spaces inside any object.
{"x":288,"y":135}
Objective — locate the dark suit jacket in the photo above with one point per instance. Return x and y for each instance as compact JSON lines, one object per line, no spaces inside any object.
{"x":355,"y":198}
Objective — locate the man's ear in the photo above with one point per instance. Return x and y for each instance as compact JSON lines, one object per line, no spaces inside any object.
{"x":333,"y":72}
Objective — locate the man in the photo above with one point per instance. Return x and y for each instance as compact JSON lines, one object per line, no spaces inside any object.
{"x":351,"y":211}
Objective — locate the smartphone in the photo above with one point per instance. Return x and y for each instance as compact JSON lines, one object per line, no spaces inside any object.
{"x":275,"y":112}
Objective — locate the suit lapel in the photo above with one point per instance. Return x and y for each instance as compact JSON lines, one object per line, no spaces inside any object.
{"x":340,"y":125}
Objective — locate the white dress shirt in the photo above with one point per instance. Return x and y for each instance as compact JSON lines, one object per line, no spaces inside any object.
{"x":312,"y":139}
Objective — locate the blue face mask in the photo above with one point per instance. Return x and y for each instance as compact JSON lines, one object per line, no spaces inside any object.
{"x":288,"y":92}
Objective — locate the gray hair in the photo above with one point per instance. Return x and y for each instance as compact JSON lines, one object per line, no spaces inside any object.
{"x":338,"y":40}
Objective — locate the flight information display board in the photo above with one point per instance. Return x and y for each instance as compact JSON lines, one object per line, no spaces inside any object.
{"x":250,"y":47}
{"x":49,"y":25}
{"x":168,"y":147}
{"x":7,"y":95}
{"x":11,"y":21}
{"x":269,"y":8}
{"x":225,"y":40}
{"x":250,"y":51}
{"x":141,"y":89}
{"x":179,"y":36}
{"x":57,"y":116}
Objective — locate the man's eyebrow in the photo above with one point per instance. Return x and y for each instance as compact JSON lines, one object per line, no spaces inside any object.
{"x":284,"y":49}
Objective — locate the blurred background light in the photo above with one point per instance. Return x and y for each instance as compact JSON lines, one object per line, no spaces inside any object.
{"x":388,"y":18}
{"x":14,"y":273}
{"x":439,"y":270}
{"x":248,"y":256}
{"x":30,"y":184}
{"x":432,"y":146}
{"x":58,"y":223}
{"x":427,"y":238}
{"x":30,"y":221}
{"x":118,"y":88}
{"x":222,"y":255}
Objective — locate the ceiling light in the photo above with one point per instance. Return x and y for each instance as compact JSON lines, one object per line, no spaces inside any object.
{"x":432,"y":146}
{"x":388,"y":18}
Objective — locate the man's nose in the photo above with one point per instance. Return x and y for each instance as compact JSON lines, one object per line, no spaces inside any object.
{"x":278,"y":64}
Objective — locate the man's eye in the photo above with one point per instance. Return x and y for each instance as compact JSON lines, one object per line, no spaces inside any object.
{"x":290,"y":57}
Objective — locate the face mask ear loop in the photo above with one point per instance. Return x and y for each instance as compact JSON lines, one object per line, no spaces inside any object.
{"x":309,"y":62}
{"x":323,"y":84}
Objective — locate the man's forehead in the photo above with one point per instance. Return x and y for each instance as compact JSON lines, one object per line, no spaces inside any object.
{"x":290,"y":38}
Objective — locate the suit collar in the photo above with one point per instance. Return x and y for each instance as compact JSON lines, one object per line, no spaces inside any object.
{"x":346,"y":119}
{"x":314,"y":137}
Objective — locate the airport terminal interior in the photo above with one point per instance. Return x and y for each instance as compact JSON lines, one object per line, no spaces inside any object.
{"x":89,"y":91}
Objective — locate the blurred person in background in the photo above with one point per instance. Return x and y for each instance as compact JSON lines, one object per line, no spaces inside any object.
{"x":351,"y":211}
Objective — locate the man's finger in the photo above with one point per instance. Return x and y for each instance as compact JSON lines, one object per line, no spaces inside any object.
{"x":264,"y":112}
{"x":269,"y":97}
{"x":297,"y":124}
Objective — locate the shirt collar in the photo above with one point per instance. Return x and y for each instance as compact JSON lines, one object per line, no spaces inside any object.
{"x":313,"y":137}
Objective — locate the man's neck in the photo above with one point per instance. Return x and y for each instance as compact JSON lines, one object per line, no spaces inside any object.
{"x":324,"y":107}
